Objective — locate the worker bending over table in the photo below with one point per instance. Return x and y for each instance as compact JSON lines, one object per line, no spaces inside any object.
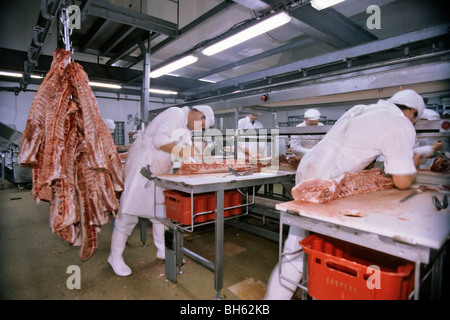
{"x":298,"y":146}
{"x":152,"y":148}
{"x":359,"y":136}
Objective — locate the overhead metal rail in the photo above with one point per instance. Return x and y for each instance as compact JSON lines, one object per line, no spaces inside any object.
{"x":344,"y":55}
{"x":49,"y":10}
{"x":108,"y":11}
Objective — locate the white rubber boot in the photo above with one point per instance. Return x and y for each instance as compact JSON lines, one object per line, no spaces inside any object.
{"x":158,"y":239}
{"x":115,"y":259}
{"x":279,"y":289}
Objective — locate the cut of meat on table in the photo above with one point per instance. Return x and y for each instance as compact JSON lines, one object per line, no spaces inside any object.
{"x":75,"y":164}
{"x":363,"y":182}
{"x":324,"y":190}
{"x":200,"y":168}
{"x":314,"y":190}
{"x":440,"y":164}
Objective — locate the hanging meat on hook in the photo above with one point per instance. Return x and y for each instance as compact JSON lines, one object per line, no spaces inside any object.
{"x":75,"y":164}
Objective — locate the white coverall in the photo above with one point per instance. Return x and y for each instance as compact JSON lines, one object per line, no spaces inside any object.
{"x":254,"y":147}
{"x":301,"y":146}
{"x":137,"y":199}
{"x":358,"y":137}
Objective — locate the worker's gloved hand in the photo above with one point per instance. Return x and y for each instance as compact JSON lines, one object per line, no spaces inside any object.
{"x":145,"y":171}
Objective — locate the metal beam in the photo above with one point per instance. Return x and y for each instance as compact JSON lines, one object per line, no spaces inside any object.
{"x":105,"y":10}
{"x":330,"y":26}
{"x":124,"y":32}
{"x":378,"y":80}
{"x":145,"y":94}
{"x":96,"y":29}
{"x":330,"y":58}
{"x":256,"y":57}
{"x":211,"y":13}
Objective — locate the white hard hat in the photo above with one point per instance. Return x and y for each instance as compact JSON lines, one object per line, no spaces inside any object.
{"x":110,"y":124}
{"x":209,"y":114}
{"x":312,"y":114}
{"x":409,"y":98}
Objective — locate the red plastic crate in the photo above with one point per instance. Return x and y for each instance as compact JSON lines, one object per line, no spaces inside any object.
{"x":338,"y":270}
{"x":178,"y":205}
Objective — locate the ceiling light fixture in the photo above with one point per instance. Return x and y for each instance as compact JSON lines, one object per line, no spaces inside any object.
{"x":322,"y":4}
{"x":178,"y":64}
{"x":266,"y":25}
{"x":162,"y":91}
{"x":17,"y":75}
{"x":104,"y":85}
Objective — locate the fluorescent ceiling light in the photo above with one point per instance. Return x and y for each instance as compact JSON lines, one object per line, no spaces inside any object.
{"x":266,"y":25}
{"x":178,"y":64}
{"x":206,"y":80}
{"x":322,"y":4}
{"x":11,"y":74}
{"x":162,"y":91}
{"x":17,"y":75}
{"x":104,"y":85}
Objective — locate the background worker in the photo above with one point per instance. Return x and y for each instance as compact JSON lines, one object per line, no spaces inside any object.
{"x":253,"y":148}
{"x":155,"y":148}
{"x":301,"y":146}
{"x":359,"y":136}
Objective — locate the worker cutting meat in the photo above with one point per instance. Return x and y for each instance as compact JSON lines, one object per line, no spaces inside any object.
{"x":252,"y":148}
{"x":156,"y":147}
{"x":361,"y":135}
{"x":298,"y":146}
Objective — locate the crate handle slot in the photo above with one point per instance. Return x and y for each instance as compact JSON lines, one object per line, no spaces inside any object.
{"x":339,"y":267}
{"x":173,"y":199}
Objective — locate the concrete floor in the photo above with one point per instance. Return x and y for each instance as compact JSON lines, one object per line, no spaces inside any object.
{"x":34,"y":261}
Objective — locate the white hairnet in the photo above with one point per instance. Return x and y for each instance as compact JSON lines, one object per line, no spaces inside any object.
{"x":409,"y":98}
{"x":312,"y":114}
{"x":110,"y":124}
{"x":209,"y":114}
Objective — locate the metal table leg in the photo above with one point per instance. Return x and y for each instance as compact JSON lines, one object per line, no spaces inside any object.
{"x":219,"y":234}
{"x":143,"y":230}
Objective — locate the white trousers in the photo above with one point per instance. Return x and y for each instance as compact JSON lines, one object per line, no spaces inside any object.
{"x":126,"y":223}
{"x":291,"y":268}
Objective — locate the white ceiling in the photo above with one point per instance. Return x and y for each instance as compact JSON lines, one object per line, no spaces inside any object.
{"x":312,"y":38}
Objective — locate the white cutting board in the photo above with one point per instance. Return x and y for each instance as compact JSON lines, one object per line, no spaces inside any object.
{"x":205,"y":179}
{"x":416,"y":220}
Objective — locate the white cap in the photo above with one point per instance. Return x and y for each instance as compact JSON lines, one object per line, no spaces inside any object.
{"x":312,"y":114}
{"x":409,"y":98}
{"x":209,"y":114}
{"x":110,"y":124}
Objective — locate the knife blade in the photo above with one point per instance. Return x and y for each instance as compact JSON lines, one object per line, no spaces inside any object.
{"x":419,"y":190}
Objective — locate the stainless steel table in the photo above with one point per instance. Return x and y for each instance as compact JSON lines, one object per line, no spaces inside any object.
{"x":414,"y":230}
{"x":201,"y":183}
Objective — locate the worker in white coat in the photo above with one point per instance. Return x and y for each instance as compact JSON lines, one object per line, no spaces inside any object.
{"x":301,"y":146}
{"x":253,"y":148}
{"x":164,"y":140}
{"x":362,"y":134}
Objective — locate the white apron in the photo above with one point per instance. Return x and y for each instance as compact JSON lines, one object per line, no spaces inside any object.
{"x":139,"y":195}
{"x":361,"y":135}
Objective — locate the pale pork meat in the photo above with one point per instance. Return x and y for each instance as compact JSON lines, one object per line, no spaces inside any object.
{"x":324,"y":190}
{"x":75,"y":163}
{"x":202,"y":168}
{"x":363,"y":182}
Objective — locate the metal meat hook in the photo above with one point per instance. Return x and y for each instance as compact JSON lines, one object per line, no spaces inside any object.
{"x":440,"y":205}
